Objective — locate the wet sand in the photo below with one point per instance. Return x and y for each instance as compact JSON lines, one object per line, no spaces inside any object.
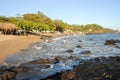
{"x":10,"y":45}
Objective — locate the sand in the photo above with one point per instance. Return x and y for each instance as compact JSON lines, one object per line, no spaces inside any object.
{"x":10,"y":45}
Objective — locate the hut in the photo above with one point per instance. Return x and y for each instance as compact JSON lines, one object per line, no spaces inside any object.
{"x":7,"y":28}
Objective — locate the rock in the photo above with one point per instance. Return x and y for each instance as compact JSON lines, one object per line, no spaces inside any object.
{"x":42,"y":61}
{"x":78,"y":46}
{"x":8,"y":76}
{"x":80,"y":40}
{"x":68,"y":75}
{"x":69,"y":51}
{"x":85,"y":52}
{"x":20,"y":69}
{"x":111,"y":42}
{"x":95,"y":69}
{"x":91,"y":39}
{"x":58,"y":59}
{"x":71,"y":57}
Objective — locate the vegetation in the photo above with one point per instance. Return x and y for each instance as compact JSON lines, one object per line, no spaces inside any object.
{"x":41,"y":22}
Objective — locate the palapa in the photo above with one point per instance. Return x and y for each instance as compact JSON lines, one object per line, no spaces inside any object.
{"x":7,"y":26}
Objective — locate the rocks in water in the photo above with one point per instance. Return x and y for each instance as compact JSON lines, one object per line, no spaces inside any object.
{"x":69,"y":51}
{"x":91,"y":39}
{"x":109,"y":70}
{"x":78,"y":46}
{"x":69,"y":75}
{"x":71,"y":57}
{"x":7,"y":75}
{"x":20,"y":69}
{"x":80,"y":40}
{"x":112,"y":42}
{"x":95,"y":69}
{"x":9,"y":72}
{"x":42,"y":61}
{"x":58,"y":59}
{"x":85,"y":52}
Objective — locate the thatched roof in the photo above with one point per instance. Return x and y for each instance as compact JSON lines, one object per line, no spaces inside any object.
{"x":7,"y":26}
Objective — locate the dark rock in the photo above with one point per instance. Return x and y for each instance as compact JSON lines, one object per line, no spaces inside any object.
{"x":85,"y":52}
{"x":78,"y":46}
{"x":7,"y":76}
{"x":20,"y":69}
{"x":111,"y":42}
{"x":69,"y":75}
{"x":71,"y":57}
{"x":58,"y":59}
{"x":91,"y":39}
{"x":69,"y":51}
{"x":42,"y":61}
{"x":80,"y":40}
{"x":95,"y":69}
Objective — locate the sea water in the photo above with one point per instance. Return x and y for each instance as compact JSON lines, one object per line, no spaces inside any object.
{"x":58,"y":47}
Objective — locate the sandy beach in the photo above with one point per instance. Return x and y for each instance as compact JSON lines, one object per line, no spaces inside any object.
{"x":10,"y":45}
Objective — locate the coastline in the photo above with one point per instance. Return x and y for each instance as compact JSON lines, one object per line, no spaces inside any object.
{"x":10,"y":45}
{"x":94,"y":69}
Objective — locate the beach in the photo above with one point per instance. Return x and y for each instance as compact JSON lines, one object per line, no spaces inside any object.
{"x":10,"y":45}
{"x":95,"y":56}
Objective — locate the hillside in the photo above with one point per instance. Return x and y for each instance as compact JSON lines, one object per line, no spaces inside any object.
{"x":38,"y":22}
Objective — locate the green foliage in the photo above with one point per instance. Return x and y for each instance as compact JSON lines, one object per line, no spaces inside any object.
{"x":60,"y":25}
{"x":29,"y":25}
{"x":40,"y":18}
{"x":4,"y":19}
{"x":41,"y":22}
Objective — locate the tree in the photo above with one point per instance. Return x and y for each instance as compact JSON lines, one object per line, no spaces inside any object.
{"x":59,"y":25}
{"x":4,"y":19}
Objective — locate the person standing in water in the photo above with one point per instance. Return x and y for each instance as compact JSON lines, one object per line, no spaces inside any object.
{"x":64,"y":41}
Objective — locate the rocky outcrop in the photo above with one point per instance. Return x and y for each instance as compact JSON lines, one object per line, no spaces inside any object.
{"x":7,"y":76}
{"x":20,"y":69}
{"x":95,"y":69}
{"x":111,"y":42}
{"x":9,"y":72}
{"x":41,"y":61}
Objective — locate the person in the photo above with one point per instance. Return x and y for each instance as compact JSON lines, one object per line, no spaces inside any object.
{"x":64,"y":40}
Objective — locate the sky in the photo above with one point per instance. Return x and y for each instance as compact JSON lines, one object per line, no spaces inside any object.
{"x":103,"y":12}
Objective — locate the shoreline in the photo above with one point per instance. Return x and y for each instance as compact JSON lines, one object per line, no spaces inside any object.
{"x":10,"y":45}
{"x":97,"y":68}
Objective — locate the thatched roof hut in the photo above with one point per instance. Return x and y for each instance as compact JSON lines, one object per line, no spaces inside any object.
{"x":7,"y":26}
